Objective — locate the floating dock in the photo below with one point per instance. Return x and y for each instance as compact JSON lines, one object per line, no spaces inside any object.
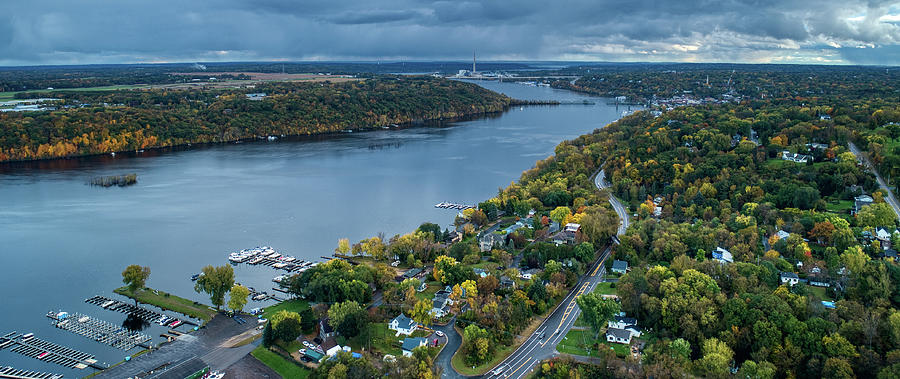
{"x":456,"y":206}
{"x":98,"y":330}
{"x":13,"y":373}
{"x":267,"y":256}
{"x":142,"y":313}
{"x":31,"y":346}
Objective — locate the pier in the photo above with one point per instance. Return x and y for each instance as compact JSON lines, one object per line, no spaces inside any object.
{"x":99,"y":330}
{"x":13,"y":373}
{"x":446,"y":205}
{"x":267,"y":256}
{"x":31,"y":346}
{"x":139,"y":312}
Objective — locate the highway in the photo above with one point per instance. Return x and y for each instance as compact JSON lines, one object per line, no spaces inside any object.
{"x":890,"y":199}
{"x":541,"y":344}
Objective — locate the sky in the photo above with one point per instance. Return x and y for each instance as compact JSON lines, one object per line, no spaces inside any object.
{"x":37,"y":32}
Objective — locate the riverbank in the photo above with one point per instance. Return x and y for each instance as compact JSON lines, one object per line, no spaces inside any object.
{"x":169,"y":302}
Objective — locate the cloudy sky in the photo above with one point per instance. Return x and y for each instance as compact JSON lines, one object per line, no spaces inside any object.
{"x":767,"y":31}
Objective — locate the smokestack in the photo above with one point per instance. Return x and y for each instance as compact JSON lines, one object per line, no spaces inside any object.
{"x":473,"y":61}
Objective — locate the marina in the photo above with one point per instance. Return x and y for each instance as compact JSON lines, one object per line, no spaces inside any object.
{"x":267,"y":256}
{"x":33,"y":347}
{"x":99,"y":330}
{"x":14,"y":373}
{"x":145,"y":314}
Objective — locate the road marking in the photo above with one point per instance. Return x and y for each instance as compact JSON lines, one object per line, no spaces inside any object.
{"x":597,"y":269}
{"x":520,"y":367}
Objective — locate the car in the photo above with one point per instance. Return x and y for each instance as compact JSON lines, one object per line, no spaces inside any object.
{"x":439,"y":333}
{"x":261,"y":327}
{"x":307,"y":344}
{"x":261,"y":321}
{"x":543,"y":335}
{"x":499,"y":370}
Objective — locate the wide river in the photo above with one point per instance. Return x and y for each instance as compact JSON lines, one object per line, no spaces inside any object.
{"x":62,"y":241}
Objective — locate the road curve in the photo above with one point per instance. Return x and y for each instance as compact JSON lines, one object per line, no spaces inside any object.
{"x":542,"y":343}
{"x":890,"y":199}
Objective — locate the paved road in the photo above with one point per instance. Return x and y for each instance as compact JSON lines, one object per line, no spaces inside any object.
{"x":890,"y":199}
{"x":542,"y":344}
{"x":454,"y":340}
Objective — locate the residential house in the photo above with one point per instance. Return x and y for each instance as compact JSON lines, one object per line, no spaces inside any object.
{"x":529,"y":273}
{"x":403,"y":325}
{"x":554,"y":227}
{"x":331,"y":347}
{"x":313,"y":355}
{"x":861,"y":201}
{"x":490,"y":240}
{"x":794,"y":157}
{"x":722,"y":255}
{"x":480,"y":272}
{"x":618,"y":336}
{"x":514,"y":227}
{"x":411,"y":343}
{"x":506,"y":282}
{"x":422,"y":287}
{"x":440,"y":303}
{"x":884,"y":236}
{"x":816,"y":146}
{"x":573,"y":227}
{"x":619,"y":321}
{"x":889,"y":253}
{"x":454,"y":236}
{"x":789,"y":278}
{"x":325,"y":329}
{"x":620,"y":267}
{"x":818,"y":280}
{"x":782,"y":234}
{"x":256,"y":96}
{"x":411,"y":273}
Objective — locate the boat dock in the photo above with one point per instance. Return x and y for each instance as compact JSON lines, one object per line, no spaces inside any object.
{"x":139,"y":312}
{"x":13,"y":373}
{"x":267,"y":256}
{"x":460,"y":207}
{"x":99,"y":330}
{"x":31,"y":346}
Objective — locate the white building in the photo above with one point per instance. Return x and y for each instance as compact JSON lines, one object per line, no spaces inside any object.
{"x":403,"y":325}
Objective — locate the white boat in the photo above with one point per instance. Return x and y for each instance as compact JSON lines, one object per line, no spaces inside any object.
{"x":274,"y":255}
{"x":279,"y":265}
{"x":279,"y":278}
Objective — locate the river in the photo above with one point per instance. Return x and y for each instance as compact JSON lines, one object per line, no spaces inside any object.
{"x":62,"y":241}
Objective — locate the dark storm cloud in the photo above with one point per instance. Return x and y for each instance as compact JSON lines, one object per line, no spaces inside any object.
{"x":90,"y":31}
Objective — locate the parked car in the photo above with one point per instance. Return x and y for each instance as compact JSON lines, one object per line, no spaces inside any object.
{"x":439,"y":333}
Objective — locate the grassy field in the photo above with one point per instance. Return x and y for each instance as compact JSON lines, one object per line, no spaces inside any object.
{"x":580,"y":342}
{"x":379,"y":338}
{"x":290,"y":305}
{"x":605,"y":288}
{"x":819,"y":292}
{"x":170,"y":302}
{"x":283,"y":367}
{"x":840,"y":206}
{"x":429,"y":292}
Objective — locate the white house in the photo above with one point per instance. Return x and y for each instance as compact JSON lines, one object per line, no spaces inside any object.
{"x":403,"y":325}
{"x":798,"y":158}
{"x":331,"y":347}
{"x":620,"y":267}
{"x":618,"y":336}
{"x":411,"y":343}
{"x":529,"y":274}
{"x":621,"y":322}
{"x":723,"y":255}
{"x":789,"y":278}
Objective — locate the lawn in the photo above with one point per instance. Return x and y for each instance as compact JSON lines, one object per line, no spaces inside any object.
{"x":581,"y":342}
{"x":170,"y":302}
{"x":429,"y":292}
{"x":839,"y":206}
{"x":819,"y":292}
{"x":500,"y":353}
{"x":283,"y":367}
{"x":290,"y":305}
{"x":605,"y":288}
{"x":380,"y":339}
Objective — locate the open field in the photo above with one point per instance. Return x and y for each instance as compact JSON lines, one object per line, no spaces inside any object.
{"x":581,"y":342}
{"x":276,"y":362}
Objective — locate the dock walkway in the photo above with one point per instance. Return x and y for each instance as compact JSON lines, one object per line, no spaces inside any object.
{"x":30,"y":346}
{"x":14,"y":373}
{"x":99,"y":330}
{"x":145,"y":314}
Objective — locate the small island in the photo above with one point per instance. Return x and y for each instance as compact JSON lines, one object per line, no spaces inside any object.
{"x":114,"y":180}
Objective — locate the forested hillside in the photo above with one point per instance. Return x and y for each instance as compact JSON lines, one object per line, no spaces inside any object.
{"x":715,"y":188}
{"x":128,"y":120}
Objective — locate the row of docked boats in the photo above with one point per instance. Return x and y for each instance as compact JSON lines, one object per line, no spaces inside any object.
{"x":267,"y":256}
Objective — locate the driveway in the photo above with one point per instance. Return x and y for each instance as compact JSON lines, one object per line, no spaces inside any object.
{"x":454,"y":340}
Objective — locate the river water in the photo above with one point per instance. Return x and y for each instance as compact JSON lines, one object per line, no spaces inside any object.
{"x":62,"y":241}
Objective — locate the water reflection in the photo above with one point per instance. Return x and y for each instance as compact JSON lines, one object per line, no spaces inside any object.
{"x":135,"y":323}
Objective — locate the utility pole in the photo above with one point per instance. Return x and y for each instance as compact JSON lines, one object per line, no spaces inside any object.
{"x":473,"y":61}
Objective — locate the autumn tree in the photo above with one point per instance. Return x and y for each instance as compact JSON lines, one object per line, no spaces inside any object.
{"x":597,"y":311}
{"x":238,"y":298}
{"x":216,"y":282}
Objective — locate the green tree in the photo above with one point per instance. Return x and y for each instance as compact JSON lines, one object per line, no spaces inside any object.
{"x":349,"y":318}
{"x":875,"y":215}
{"x":753,"y":370}
{"x":716,"y":359}
{"x":286,"y":325}
{"x":559,"y":214}
{"x":238,"y":298}
{"x":837,"y":368}
{"x":421,"y":312}
{"x":215,"y":281}
{"x":135,"y":277}
{"x":597,"y":310}
{"x":343,"y":246}
{"x":268,"y":337}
